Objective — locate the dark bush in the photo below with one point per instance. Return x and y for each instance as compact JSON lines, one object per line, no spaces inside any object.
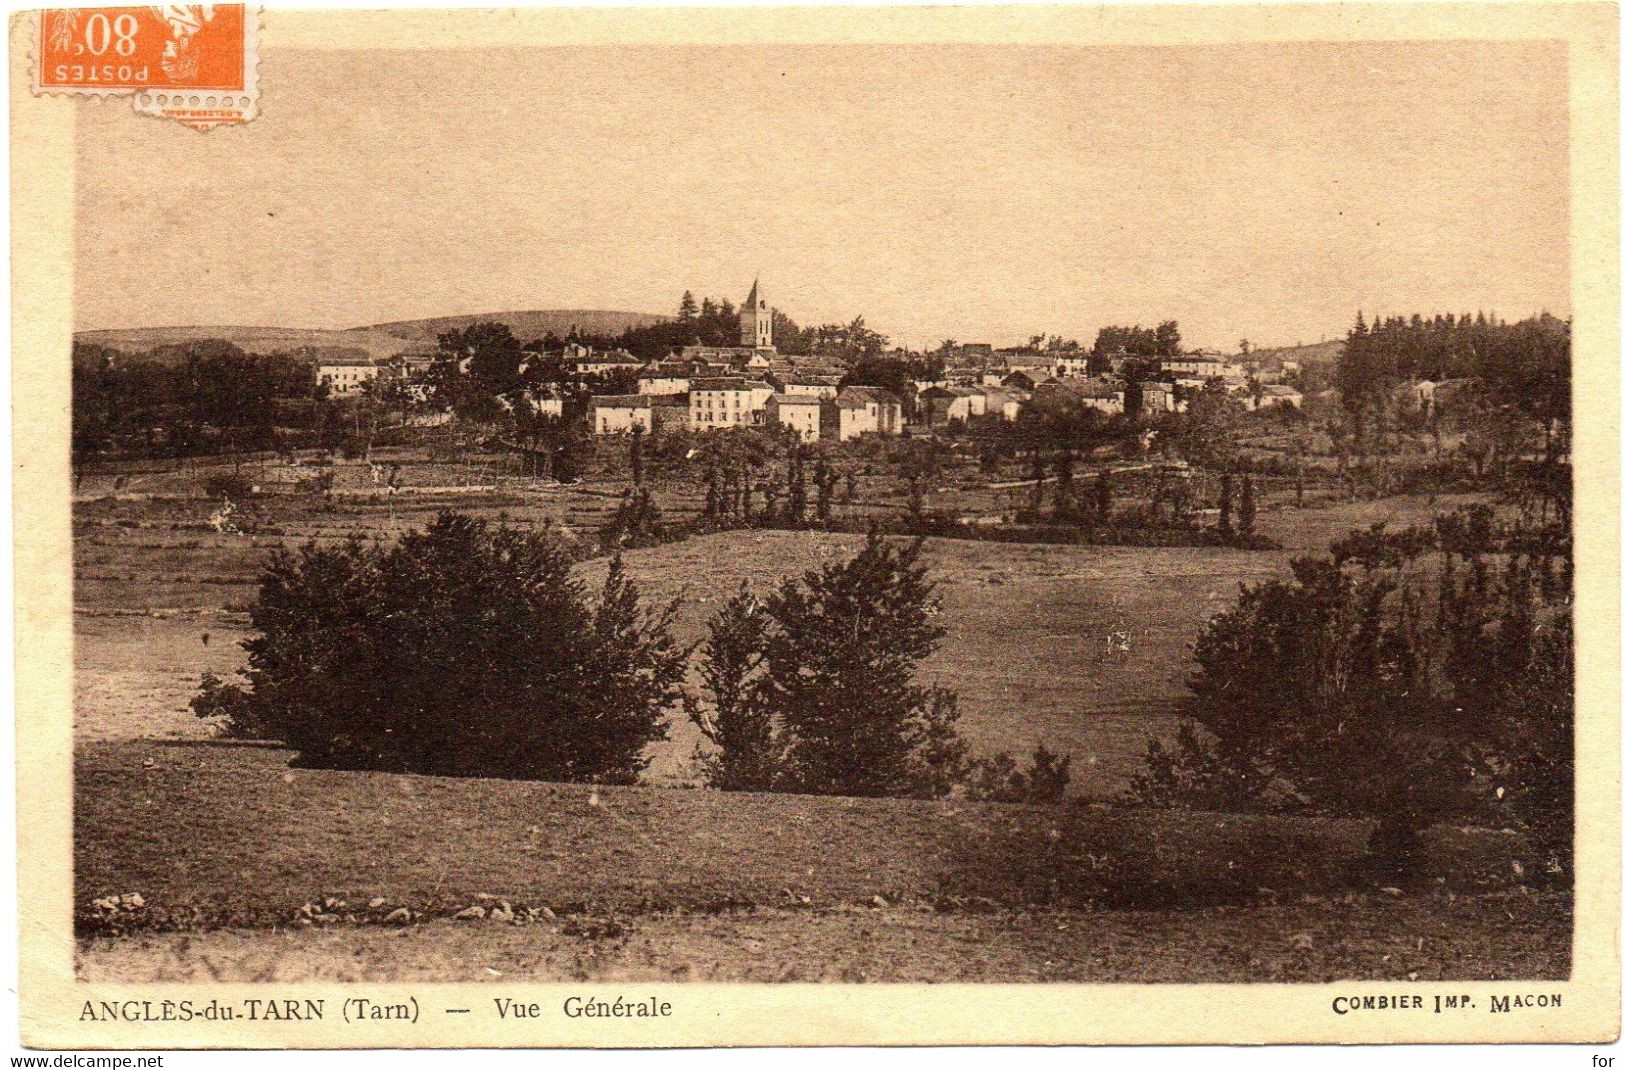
{"x":462,"y":650}
{"x":1001,"y":779}
{"x":747,"y":750}
{"x":1415,"y":675}
{"x":636,"y":523}
{"x":812,"y":689}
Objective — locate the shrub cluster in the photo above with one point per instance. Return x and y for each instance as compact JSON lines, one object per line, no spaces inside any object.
{"x":462,"y":650}
{"x":1414,"y":674}
{"x":468,"y":650}
{"x":812,"y":689}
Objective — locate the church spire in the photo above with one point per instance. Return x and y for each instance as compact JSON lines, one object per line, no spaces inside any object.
{"x":756,"y":320}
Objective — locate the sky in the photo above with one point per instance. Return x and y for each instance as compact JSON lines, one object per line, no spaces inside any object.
{"x":967,"y":192}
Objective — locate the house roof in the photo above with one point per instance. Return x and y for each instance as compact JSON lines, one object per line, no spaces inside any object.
{"x":803,"y":379}
{"x":608,"y":358}
{"x":1281,"y":390}
{"x":796,"y":399}
{"x":1085,"y":388}
{"x":854,"y":396}
{"x":623,"y":401}
{"x":721,"y":383}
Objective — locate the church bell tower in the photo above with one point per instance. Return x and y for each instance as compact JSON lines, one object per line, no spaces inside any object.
{"x":756,"y":320}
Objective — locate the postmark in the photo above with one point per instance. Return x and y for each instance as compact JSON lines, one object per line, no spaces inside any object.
{"x":194,"y":63}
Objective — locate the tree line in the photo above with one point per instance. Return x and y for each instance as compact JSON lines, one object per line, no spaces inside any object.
{"x":1519,"y":373}
{"x":195,"y":398}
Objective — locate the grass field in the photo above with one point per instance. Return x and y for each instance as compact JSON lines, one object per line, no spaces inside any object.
{"x":656,"y":882}
{"x":226,"y":842}
{"x":1027,"y":625}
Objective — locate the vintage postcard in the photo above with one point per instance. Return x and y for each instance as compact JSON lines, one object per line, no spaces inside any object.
{"x":618,"y":527}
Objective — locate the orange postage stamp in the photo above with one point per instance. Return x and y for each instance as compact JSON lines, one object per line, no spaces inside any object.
{"x":194,"y":63}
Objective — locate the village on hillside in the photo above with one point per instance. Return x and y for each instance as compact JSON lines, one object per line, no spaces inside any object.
{"x":705,"y":387}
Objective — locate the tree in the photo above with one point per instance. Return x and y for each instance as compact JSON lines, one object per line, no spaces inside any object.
{"x":1247,"y":510}
{"x":796,"y":494}
{"x":1167,"y":339}
{"x":888,"y":373}
{"x":838,"y":676}
{"x":848,"y":341}
{"x":462,"y":650}
{"x":747,"y":753}
{"x":488,"y":355}
{"x":637,"y":522}
{"x":824,"y":480}
{"x":1103,"y":498}
{"x":635,"y":458}
{"x":1520,"y":376}
{"x":687,"y":309}
{"x":207,"y":396}
{"x":389,"y":392}
{"x":1001,"y":779}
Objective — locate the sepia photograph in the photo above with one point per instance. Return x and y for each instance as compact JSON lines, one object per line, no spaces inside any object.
{"x":757,"y":511}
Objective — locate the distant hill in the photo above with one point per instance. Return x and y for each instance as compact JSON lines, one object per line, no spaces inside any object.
{"x":1313,"y":353}
{"x":376,"y":344}
{"x":526,"y":326}
{"x":1308,"y":353}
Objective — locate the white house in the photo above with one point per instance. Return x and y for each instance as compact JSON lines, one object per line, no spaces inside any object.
{"x":1156,"y":398}
{"x":861,"y":410}
{"x":943,"y":404}
{"x":620,"y":414}
{"x":1103,"y":395}
{"x":1202,"y":366}
{"x":726,"y":402}
{"x":664,"y":379}
{"x":583,"y":360}
{"x":799,"y":384}
{"x":345,"y":378}
{"x":1004,"y":402}
{"x":799,"y":412}
{"x":1272,"y":395}
{"x":1071,"y":363}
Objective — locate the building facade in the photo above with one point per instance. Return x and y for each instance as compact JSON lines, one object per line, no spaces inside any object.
{"x":345,"y":378}
{"x":621,"y":414}
{"x":725,"y":402}
{"x":800,"y":413}
{"x":860,"y":410}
